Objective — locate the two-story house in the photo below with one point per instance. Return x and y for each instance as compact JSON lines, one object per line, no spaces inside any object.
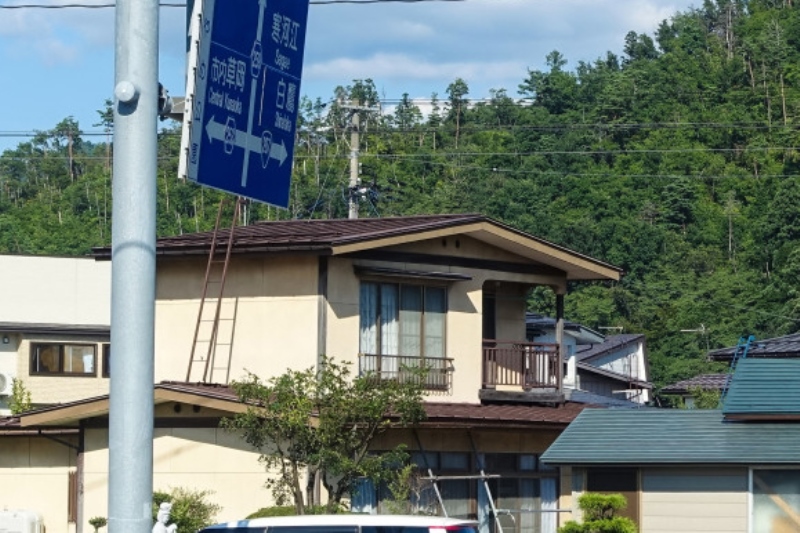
{"x":54,"y":327}
{"x":597,"y":366}
{"x":444,"y":291}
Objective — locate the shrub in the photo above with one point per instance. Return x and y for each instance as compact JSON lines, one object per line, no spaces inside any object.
{"x":599,"y":515}
{"x":289,"y":510}
{"x":98,"y":522}
{"x":191,"y":511}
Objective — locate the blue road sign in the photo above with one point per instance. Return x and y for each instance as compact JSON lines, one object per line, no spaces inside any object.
{"x":246,"y":97}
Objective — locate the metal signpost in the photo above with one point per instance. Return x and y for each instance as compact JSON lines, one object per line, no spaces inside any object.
{"x":246,"y":59}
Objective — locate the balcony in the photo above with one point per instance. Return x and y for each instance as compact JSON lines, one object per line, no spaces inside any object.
{"x":438,"y":374}
{"x":514,"y":367}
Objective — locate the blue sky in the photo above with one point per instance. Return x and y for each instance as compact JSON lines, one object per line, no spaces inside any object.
{"x":60,"y":62}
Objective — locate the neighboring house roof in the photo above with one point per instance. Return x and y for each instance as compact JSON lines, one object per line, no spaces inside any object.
{"x":223,"y":398}
{"x":786,"y":346}
{"x":703,"y":381}
{"x":586,"y":397}
{"x":764,"y":389}
{"x":611,"y":343}
{"x":348,"y":236}
{"x":672,"y":436}
{"x":536,"y":324}
{"x":622,"y":378}
{"x":61,"y":329}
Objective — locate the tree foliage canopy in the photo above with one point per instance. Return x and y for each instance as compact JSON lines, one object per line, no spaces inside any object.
{"x":325,"y":421}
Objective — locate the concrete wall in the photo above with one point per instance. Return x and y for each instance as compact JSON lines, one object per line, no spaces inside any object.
{"x":694,"y":500}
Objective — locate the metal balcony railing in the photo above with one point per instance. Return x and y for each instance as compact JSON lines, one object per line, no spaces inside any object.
{"x":521,"y":364}
{"x":437,"y":374}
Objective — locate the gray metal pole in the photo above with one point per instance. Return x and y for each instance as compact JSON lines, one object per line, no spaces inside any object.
{"x":130,"y":442}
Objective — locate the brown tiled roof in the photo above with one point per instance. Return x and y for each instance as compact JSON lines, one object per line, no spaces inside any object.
{"x":208,"y":390}
{"x":703,"y":381}
{"x":313,"y":235}
{"x":9,"y":421}
{"x":439,"y":413}
{"x":501,"y":415}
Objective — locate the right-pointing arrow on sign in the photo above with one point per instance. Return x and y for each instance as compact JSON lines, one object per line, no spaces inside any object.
{"x":232,"y":137}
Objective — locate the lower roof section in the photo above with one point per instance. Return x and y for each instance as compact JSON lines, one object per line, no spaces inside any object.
{"x":223,"y":399}
{"x":600,"y":437}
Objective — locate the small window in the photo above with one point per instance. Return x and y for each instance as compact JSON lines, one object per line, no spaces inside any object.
{"x":63,"y":359}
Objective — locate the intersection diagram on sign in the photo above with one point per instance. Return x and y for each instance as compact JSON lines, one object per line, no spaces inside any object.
{"x":247,"y":81}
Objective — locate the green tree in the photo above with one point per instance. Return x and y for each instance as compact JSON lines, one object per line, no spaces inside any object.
{"x":323,"y":420}
{"x":20,"y":401}
{"x":191,"y":508}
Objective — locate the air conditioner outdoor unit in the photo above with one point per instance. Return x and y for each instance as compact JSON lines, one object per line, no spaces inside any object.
{"x":5,"y":384}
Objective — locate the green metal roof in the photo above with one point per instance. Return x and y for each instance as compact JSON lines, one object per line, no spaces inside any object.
{"x":764,"y":388}
{"x":672,"y":436}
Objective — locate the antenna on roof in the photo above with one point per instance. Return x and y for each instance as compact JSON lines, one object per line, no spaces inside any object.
{"x":702,"y":330}
{"x":612,"y":328}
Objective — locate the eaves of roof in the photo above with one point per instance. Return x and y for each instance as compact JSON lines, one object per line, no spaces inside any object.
{"x":349,"y":236}
{"x":622,"y":378}
{"x":60,"y":329}
{"x":672,"y":437}
{"x":223,"y":398}
{"x":217,"y":397}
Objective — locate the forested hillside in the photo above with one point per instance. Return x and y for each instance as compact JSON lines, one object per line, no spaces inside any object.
{"x":676,"y":161}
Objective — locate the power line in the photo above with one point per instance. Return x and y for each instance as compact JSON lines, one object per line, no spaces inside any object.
{"x":313,"y":2}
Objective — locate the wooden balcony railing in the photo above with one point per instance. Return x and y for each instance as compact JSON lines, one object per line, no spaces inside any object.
{"x":526,"y":365}
{"x":438,"y":373}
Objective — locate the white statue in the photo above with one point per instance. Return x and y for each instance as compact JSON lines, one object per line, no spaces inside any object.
{"x":162,"y":518}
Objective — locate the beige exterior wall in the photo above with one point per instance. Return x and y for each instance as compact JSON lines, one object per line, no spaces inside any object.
{"x":268,"y":322}
{"x":34,"y":474}
{"x":195,"y":458}
{"x":55,"y":290}
{"x":694,"y":500}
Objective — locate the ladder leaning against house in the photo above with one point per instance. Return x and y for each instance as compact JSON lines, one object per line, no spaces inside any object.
{"x":207,"y":329}
{"x":740,"y":353}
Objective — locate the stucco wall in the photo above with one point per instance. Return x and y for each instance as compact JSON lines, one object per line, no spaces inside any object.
{"x":268,"y":322}
{"x":34,"y":474}
{"x":195,"y":458}
{"x":55,"y":290}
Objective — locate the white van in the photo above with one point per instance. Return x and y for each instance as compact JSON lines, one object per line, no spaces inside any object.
{"x":347,"y":523}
